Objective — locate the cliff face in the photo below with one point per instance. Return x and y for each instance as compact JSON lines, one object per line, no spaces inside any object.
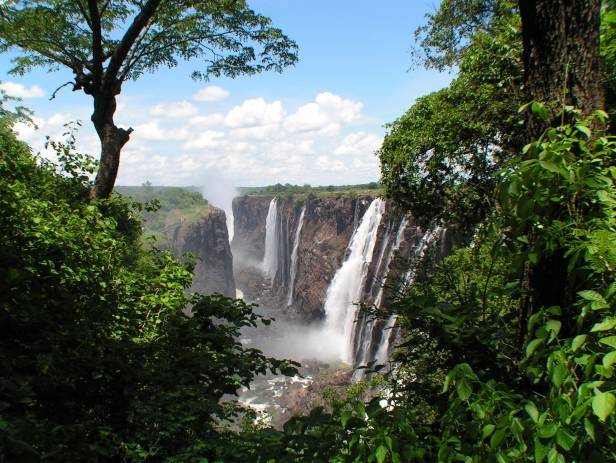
{"x":299,"y":285}
{"x":327,"y":229}
{"x":249,"y":213}
{"x":207,"y":239}
{"x":296,"y":248}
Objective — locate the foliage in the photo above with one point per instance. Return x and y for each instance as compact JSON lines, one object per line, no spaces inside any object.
{"x":131,"y":38}
{"x":440,"y":158}
{"x":474,"y":380}
{"x":306,"y":189}
{"x":164,"y":207}
{"x":103,"y":356}
{"x":443,"y":41}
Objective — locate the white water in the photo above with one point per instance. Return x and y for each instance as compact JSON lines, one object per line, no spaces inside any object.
{"x":270,"y":258}
{"x":296,"y":239}
{"x":384,"y":350}
{"x":345,"y":290}
{"x":367,"y":332}
{"x":394,"y":249}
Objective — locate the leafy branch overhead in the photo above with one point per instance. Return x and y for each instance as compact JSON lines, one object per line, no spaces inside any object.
{"x":105,"y":43}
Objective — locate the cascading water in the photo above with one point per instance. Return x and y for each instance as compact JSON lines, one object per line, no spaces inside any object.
{"x":384,"y":350}
{"x":346,"y":287}
{"x":367,"y":331}
{"x":296,"y":240}
{"x":270,"y":258}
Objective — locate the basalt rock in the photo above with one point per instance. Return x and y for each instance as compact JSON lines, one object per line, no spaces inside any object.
{"x":207,"y":240}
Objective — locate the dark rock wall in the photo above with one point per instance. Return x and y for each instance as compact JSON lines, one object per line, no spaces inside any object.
{"x":207,"y":239}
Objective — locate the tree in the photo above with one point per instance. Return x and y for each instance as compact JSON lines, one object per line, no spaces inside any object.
{"x":107,"y":42}
{"x":562,"y":55}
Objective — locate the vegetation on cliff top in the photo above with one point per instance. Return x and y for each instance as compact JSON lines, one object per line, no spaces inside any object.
{"x":300,"y":193}
{"x":510,"y":345}
{"x":163,"y":208}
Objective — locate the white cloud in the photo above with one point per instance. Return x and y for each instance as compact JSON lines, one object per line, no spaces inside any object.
{"x":211,"y":93}
{"x":358,"y":143}
{"x":206,"y":122}
{"x":327,"y":115}
{"x":207,"y":139}
{"x":175,"y":109}
{"x":333,"y":165}
{"x":21,"y":91}
{"x":254,"y":113}
{"x":153,"y":131}
{"x":253,"y":142}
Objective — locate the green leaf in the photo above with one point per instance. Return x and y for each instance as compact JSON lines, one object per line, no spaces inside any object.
{"x":548,"y":430}
{"x":488,"y":429}
{"x":463,"y":389}
{"x":532,"y":411}
{"x":554,"y":456}
{"x":603,"y":404}
{"x":578,"y":342}
{"x":540,"y":451}
{"x":539,"y":110}
{"x":584,"y":130}
{"x":381,"y":453}
{"x":565,"y":439}
{"x":532,"y":346}
{"x":590,"y":428}
{"x":609,"y":359}
{"x":550,"y":166}
{"x":605,"y":325}
{"x":497,"y":438}
{"x":591,"y":295}
{"x":345,"y":417}
{"x":559,"y":373}
{"x":609,"y":341}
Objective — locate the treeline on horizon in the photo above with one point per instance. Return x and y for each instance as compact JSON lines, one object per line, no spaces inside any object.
{"x":508,"y":346}
{"x":305,"y":189}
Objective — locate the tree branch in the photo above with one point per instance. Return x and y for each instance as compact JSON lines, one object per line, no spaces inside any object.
{"x":97,"y":45}
{"x":122,"y":50}
{"x":53,"y":95}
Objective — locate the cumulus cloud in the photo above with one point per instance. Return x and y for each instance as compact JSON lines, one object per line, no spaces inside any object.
{"x":358,"y":143}
{"x":255,"y":113}
{"x":21,"y":91}
{"x":257,"y":141}
{"x":174,"y":109}
{"x":207,"y":139}
{"x":327,"y":115}
{"x":207,"y":121}
{"x":211,"y":93}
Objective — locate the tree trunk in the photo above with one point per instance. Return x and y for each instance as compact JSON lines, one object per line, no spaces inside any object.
{"x":112,"y":140}
{"x":561,"y":67}
{"x":561,"y":56}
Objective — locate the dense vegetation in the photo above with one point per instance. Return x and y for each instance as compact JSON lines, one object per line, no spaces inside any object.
{"x":162,"y":208}
{"x":99,"y":360}
{"x":510,"y":342}
{"x":288,"y":189}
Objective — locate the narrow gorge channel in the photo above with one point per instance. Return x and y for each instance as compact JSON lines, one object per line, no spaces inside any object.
{"x":310,"y":263}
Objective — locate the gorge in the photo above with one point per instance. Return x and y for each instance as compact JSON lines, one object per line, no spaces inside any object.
{"x":321,"y":265}
{"x":315,"y":260}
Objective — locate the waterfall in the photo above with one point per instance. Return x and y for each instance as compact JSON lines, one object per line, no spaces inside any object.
{"x":346,"y":287}
{"x":384,"y":350}
{"x":367,"y":331}
{"x":399,"y":237}
{"x":296,"y":239}
{"x":270,"y":258}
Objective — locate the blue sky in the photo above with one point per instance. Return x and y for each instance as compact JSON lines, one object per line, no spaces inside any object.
{"x":319,"y":122}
